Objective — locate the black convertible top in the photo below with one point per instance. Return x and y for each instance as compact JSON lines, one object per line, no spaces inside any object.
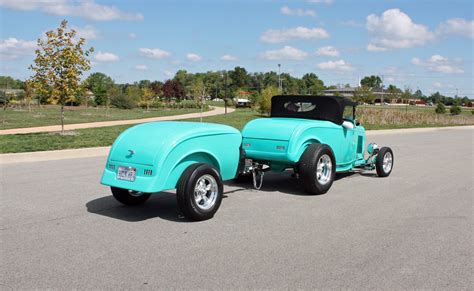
{"x":330,"y":108}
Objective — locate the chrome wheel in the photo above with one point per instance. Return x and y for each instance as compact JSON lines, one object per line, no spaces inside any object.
{"x":324,"y":170}
{"x":135,"y":193}
{"x":387,"y":162}
{"x":205,"y":192}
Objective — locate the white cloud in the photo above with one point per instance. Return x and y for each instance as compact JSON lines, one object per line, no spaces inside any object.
{"x":87,"y":9}
{"x":141,"y":67}
{"x":168,"y":74}
{"x":320,"y":1}
{"x":277,"y":35}
{"x":88,"y":32}
{"x":457,"y":26}
{"x":297,"y":11}
{"x":339,"y":65}
{"x":285,"y":53}
{"x":395,"y":30}
{"x":440,"y":64}
{"x":154,"y":53}
{"x":437,"y":59}
{"x":437,"y":85}
{"x":416,"y":61}
{"x":132,"y":35}
{"x":12,"y":48}
{"x":105,"y":57}
{"x":374,"y":48}
{"x":193,"y":57}
{"x":229,"y":58}
{"x":327,"y":51}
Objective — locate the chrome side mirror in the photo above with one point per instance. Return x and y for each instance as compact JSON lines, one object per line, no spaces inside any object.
{"x":347,"y":124}
{"x":372,"y":148}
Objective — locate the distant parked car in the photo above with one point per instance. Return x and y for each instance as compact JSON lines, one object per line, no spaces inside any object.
{"x":243,"y":103}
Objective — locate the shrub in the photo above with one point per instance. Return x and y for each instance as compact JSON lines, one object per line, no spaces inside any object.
{"x":266,"y":99}
{"x":455,"y":110}
{"x":440,"y":108}
{"x":123,"y":102}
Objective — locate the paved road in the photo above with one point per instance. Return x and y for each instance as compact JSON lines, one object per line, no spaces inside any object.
{"x":60,"y":229}
{"x":54,"y":128}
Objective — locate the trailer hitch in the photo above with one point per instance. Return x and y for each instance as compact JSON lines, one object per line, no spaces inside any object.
{"x":257,"y":174}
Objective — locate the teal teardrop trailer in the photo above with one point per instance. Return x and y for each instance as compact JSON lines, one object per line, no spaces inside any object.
{"x":315,"y":136}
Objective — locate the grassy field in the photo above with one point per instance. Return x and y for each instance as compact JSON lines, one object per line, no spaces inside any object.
{"x":371,"y":118}
{"x":14,"y":118}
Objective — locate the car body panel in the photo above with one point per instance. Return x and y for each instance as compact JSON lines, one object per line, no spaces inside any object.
{"x":167,"y":149}
{"x":281,"y":141}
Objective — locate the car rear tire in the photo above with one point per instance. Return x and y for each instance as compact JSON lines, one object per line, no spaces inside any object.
{"x":199,"y":192}
{"x":384,"y":162}
{"x":317,"y":169}
{"x":129,"y":197}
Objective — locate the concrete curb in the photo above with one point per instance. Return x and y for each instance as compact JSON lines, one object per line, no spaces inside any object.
{"x":103,"y":151}
{"x":56,"y":128}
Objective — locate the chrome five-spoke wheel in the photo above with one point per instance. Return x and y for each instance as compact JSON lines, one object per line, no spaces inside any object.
{"x":324,"y":169}
{"x":387,"y":162}
{"x":205,"y":192}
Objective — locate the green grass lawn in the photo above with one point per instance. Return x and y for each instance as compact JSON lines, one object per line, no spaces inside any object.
{"x":105,"y":136}
{"x":12,"y":118}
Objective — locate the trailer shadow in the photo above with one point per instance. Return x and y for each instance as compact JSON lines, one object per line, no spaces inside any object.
{"x":160,"y":205}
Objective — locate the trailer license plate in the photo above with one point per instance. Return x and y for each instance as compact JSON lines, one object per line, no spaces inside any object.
{"x":126,"y":173}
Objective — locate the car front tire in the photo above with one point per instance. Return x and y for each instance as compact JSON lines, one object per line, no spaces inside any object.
{"x":317,"y":169}
{"x":129,"y":197}
{"x":384,"y":162}
{"x":199,"y":192}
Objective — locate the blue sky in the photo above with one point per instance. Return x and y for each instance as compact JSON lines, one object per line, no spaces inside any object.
{"x":417,"y":44}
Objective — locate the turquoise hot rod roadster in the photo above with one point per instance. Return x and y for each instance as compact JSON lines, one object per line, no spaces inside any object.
{"x":316,"y":136}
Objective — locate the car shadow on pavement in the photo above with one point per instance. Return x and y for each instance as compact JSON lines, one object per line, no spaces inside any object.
{"x":283,"y":182}
{"x":160,"y":205}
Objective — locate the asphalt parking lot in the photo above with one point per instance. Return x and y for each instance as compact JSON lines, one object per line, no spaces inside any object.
{"x":61,"y":229}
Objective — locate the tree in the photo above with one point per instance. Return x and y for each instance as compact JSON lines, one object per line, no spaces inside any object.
{"x":371,"y":82}
{"x":4,"y":100}
{"x":8,"y":82}
{"x":394,"y":91}
{"x":199,"y":92}
{"x":59,"y":64}
{"x":156,"y":87}
{"x":143,"y":84}
{"x":113,"y":93}
{"x":239,"y":79}
{"x":147,"y":97}
{"x":363,"y":95}
{"x":418,"y":94}
{"x":99,"y":84}
{"x":134,"y":94}
{"x":407,"y":95}
{"x":173,"y":89}
{"x":436,"y":98}
{"x":266,"y":99}
{"x":29,"y":93}
{"x":185,"y":81}
{"x":313,"y":85}
{"x":440,"y":108}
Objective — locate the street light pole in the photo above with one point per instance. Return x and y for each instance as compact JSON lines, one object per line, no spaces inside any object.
{"x":279,"y":77}
{"x":225,"y":99}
